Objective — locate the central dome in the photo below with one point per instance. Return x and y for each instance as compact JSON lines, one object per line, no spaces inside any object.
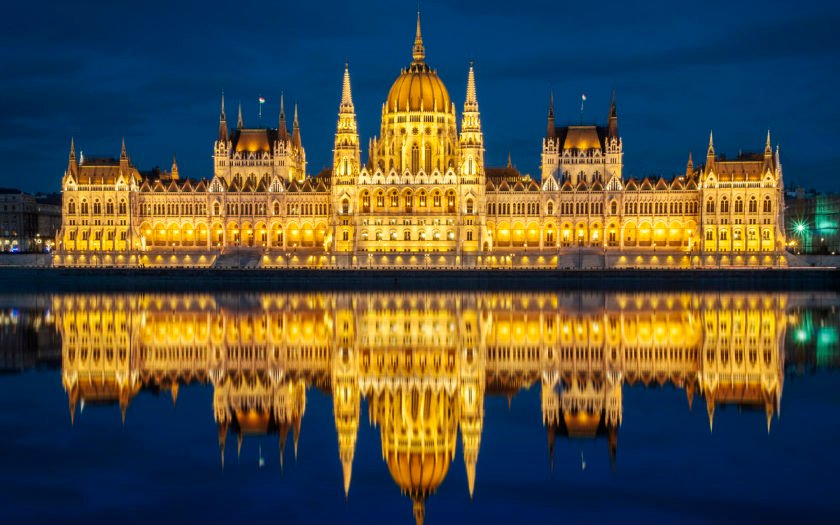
{"x":418,"y":88}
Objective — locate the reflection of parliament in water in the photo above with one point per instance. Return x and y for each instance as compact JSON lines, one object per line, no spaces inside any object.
{"x":424,"y":362}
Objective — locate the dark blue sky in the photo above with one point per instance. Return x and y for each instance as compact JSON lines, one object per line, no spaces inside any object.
{"x":153,"y":72}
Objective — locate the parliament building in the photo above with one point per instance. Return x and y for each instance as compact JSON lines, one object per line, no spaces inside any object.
{"x":423,"y":198}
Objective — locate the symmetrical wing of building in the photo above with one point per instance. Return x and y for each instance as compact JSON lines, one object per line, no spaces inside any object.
{"x":425,"y":362}
{"x":424,"y":197}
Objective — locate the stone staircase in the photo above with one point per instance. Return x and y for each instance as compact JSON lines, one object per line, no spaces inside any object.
{"x":239,"y":260}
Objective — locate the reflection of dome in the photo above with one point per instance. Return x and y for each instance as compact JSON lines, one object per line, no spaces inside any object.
{"x":419,"y":474}
{"x":418,"y":87}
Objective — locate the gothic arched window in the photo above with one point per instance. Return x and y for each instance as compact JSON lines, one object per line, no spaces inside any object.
{"x":415,"y":158}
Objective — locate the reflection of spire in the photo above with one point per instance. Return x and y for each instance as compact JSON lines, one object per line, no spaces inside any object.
{"x":174,"y":390}
{"x":550,"y":433}
{"x":223,"y":429}
{"x":419,"y":507}
{"x":710,"y":407}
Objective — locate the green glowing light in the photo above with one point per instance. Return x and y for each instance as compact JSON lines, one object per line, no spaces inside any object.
{"x":801,"y":335}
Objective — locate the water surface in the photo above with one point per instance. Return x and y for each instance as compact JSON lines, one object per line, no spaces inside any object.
{"x":442,"y":407}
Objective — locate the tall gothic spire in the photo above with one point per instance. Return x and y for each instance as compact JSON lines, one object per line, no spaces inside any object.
{"x":282,"y":128}
{"x":419,"y":53}
{"x":711,"y":150}
{"x":768,"y":150}
{"x":174,"y":174}
{"x":471,"y":103}
{"x":239,"y":117}
{"x":296,"y":129}
{"x":223,"y":129}
{"x":613,"y":120}
{"x":346,"y":94}
{"x":551,"y":131}
{"x":689,"y":167}
{"x":72,"y":150}
{"x":123,"y":154}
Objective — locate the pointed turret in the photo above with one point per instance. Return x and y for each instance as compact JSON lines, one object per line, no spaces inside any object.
{"x":510,"y":161}
{"x":471,"y":102}
{"x":710,"y":153}
{"x":346,"y":95}
{"x":72,"y":164}
{"x":296,"y":129}
{"x":174,"y":174}
{"x":239,"y":117}
{"x":223,"y":129}
{"x":124,"y":162}
{"x":689,"y":167}
{"x":419,"y":52}
{"x":551,"y":130}
{"x":471,"y":137}
{"x":613,"y":120}
{"x":768,"y":154}
{"x":347,"y":473}
{"x":283,"y":129}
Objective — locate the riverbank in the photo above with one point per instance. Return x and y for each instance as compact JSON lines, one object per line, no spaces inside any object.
{"x":13,"y":280}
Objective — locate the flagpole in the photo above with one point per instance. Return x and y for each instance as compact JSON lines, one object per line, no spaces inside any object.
{"x":582,"y":100}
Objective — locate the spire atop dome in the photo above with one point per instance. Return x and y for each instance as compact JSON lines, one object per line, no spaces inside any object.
{"x":419,"y":53}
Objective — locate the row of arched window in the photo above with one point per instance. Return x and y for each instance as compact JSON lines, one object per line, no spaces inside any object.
{"x":752,"y":206}
{"x":96,"y":209}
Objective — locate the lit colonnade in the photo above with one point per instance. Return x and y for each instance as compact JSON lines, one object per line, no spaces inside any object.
{"x":424,"y":362}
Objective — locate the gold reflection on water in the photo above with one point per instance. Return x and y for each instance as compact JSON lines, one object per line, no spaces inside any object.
{"x":424,"y":362}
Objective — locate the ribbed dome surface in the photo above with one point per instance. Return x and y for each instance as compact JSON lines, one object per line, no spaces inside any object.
{"x":418,"y":88}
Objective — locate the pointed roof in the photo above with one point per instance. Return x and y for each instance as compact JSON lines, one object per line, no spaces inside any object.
{"x":223,"y":129}
{"x":613,"y":119}
{"x":239,"y":117}
{"x":711,"y":150}
{"x":346,"y":94}
{"x":551,"y":131}
{"x":296,"y":129}
{"x":282,"y":130}
{"x":123,"y":154}
{"x":471,"y":102}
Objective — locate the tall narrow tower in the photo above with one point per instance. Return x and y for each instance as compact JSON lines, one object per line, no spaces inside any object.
{"x":472,"y":174}
{"x":346,"y":167}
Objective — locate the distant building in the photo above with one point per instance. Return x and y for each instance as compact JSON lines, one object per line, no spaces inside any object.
{"x":28,"y":223}
{"x":811,"y":221}
{"x":49,"y":220}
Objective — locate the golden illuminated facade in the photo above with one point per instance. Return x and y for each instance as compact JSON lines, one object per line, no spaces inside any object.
{"x":423,"y":362}
{"x":424,"y":198}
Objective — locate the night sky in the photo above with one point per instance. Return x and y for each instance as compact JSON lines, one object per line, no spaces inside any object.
{"x":154,"y":72}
